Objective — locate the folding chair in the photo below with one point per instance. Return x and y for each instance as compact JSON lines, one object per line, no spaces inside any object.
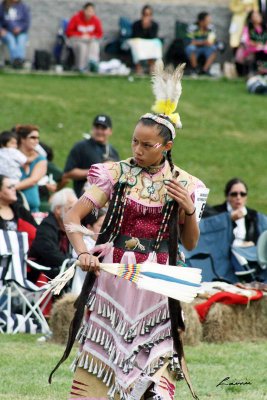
{"x":14,"y":282}
{"x":212,"y":254}
{"x":262,"y":250}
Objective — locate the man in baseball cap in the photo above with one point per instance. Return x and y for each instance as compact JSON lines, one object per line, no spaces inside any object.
{"x":90,"y":151}
{"x":103,"y":120}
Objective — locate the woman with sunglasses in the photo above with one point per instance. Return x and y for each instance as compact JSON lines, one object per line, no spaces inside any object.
{"x":28,"y":139}
{"x":245,"y":227}
{"x":244,"y":219}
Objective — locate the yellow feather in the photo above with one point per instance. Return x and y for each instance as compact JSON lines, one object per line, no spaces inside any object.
{"x":166,"y":107}
{"x":176,"y":120}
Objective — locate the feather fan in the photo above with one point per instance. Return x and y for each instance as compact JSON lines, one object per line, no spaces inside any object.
{"x":180,"y":283}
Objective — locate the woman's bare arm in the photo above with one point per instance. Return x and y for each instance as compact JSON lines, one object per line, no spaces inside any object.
{"x":37,"y":173}
{"x":82,"y":208}
{"x":190,"y":229}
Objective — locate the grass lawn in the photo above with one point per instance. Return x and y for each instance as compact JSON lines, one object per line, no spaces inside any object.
{"x":223,"y":135}
{"x":25,"y":365}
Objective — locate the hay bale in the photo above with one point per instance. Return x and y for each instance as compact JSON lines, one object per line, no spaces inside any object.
{"x":61,"y":316}
{"x":193,"y":326}
{"x":236,"y":322}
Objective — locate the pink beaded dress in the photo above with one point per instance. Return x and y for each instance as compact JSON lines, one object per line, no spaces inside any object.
{"x":125,"y":340}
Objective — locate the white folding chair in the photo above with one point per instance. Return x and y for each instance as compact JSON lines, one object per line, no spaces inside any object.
{"x":14,"y":282}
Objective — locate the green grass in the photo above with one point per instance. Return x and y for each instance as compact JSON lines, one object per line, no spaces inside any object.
{"x":25,"y":365}
{"x":223,"y":135}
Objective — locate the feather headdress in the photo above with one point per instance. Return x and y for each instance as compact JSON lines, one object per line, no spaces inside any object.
{"x":167,"y":88}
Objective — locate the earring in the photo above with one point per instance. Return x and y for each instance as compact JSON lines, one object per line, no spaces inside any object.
{"x":164,"y":153}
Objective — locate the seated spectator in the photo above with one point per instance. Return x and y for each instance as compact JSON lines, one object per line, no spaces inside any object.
{"x":14,"y":26}
{"x":245,"y":224}
{"x":145,"y":45}
{"x":240,"y":10}
{"x":11,"y":159}
{"x":13,"y":216}
{"x":202,"y":36}
{"x":253,"y":48}
{"x":52,"y":181}
{"x":28,"y":139}
{"x":51,"y":245}
{"x":84,"y":31}
{"x":90,"y":151}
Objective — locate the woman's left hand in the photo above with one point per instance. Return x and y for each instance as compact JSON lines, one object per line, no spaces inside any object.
{"x":180,"y":194}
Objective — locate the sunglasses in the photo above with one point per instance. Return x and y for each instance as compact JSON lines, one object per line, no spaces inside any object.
{"x":235,"y":194}
{"x":34,"y":137}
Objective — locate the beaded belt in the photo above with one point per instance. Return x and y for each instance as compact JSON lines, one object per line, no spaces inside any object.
{"x":140,"y":245}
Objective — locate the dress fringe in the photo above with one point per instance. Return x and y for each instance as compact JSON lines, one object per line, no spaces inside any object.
{"x":106,"y":373}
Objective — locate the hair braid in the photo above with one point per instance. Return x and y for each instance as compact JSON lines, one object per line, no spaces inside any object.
{"x":169,"y":158}
{"x":177,"y":323}
{"x":90,"y":277}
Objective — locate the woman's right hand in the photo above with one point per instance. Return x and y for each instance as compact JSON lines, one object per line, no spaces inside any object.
{"x":237,"y":214}
{"x":88,"y":262}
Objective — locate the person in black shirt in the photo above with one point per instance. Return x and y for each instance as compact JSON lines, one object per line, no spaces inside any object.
{"x":51,"y":246}
{"x":90,"y":151}
{"x":145,"y":28}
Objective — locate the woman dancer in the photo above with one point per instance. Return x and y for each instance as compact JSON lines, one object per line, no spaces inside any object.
{"x":130,"y":339}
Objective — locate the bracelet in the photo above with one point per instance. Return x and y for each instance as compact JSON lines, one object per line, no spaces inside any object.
{"x":192,"y":213}
{"x":84,"y":252}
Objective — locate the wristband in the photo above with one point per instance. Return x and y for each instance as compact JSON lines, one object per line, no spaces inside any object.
{"x":84,"y":252}
{"x":192,"y":213}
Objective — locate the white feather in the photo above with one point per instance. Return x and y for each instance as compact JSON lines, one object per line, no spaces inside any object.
{"x":185,"y":273}
{"x":72,"y":228}
{"x":166,"y":83}
{"x":112,"y":268}
{"x":57,"y":284}
{"x":175,"y":88}
{"x":158,"y":81}
{"x":175,"y":291}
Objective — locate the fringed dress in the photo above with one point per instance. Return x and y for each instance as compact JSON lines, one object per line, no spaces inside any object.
{"x":125,"y":340}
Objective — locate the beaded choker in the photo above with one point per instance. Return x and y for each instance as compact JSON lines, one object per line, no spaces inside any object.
{"x":153,"y":169}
